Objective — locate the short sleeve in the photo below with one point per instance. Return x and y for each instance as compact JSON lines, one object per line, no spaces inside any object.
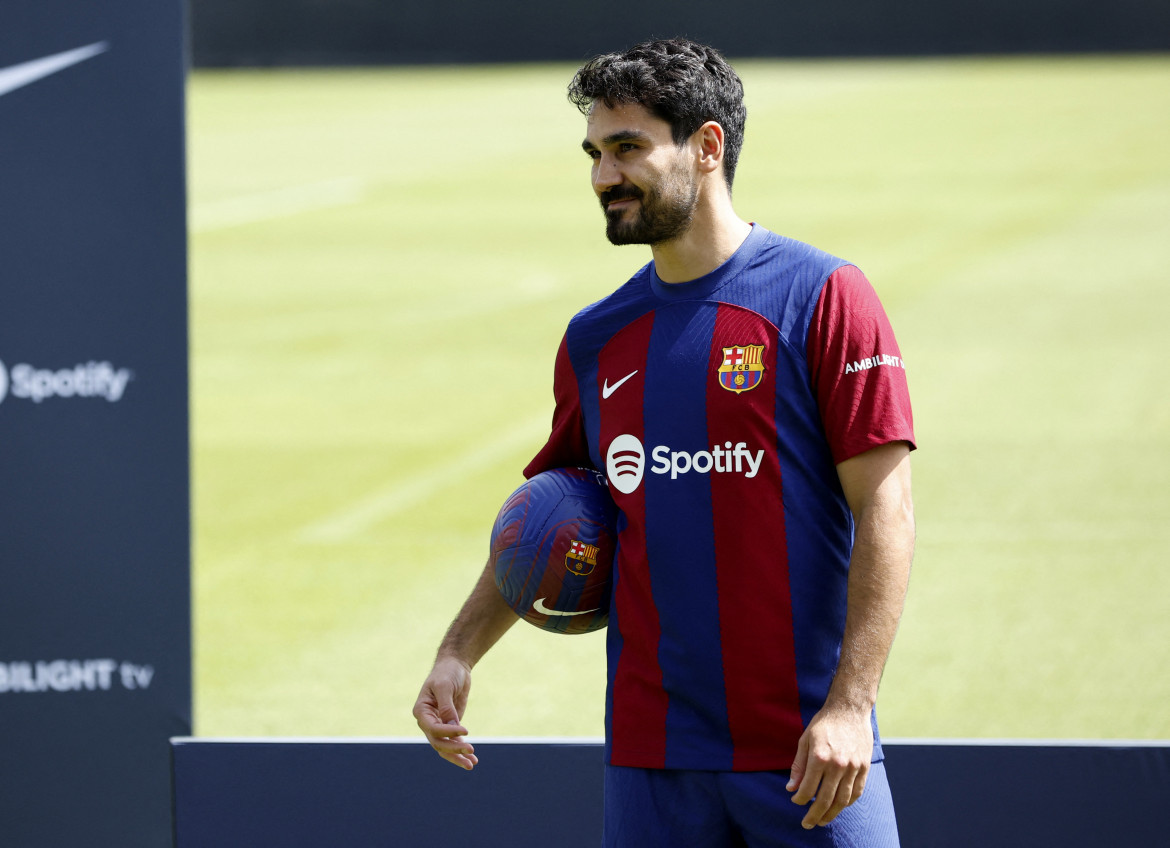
{"x":567,"y":446}
{"x":856,"y":368}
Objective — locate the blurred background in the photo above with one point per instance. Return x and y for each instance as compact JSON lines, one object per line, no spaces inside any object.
{"x":391,"y":224}
{"x":282,"y":287}
{"x":369,"y":32}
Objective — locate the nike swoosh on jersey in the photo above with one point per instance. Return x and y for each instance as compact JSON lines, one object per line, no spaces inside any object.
{"x":541,"y":608}
{"x":607,"y":389}
{"x":18,"y":76}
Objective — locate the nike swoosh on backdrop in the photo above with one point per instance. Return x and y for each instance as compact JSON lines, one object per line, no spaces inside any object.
{"x":18,"y":76}
{"x":542,"y":609}
{"x":607,"y":389}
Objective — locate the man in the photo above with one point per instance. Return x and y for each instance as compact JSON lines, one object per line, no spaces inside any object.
{"x":745,"y":396}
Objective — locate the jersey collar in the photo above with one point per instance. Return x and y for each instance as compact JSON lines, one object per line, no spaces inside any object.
{"x":707,"y":284}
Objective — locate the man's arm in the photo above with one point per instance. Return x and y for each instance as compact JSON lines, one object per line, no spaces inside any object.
{"x":834,"y":754}
{"x":484,"y":618}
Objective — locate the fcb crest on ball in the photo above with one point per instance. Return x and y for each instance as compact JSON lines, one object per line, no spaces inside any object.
{"x":581,"y":558}
{"x":742,"y":368}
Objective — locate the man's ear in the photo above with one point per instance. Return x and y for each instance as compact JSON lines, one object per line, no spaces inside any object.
{"x":709,"y":146}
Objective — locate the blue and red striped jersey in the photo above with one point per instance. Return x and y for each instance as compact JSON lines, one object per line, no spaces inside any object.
{"x":718,"y":410}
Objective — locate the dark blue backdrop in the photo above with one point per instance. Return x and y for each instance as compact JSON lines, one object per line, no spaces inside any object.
{"x":339,"y":32}
{"x":354,"y":794}
{"x":95,"y":670}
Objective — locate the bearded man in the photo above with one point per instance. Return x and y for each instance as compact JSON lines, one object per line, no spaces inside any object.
{"x":767,"y":530}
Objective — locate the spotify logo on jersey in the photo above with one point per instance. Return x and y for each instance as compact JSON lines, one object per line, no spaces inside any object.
{"x":625,"y":462}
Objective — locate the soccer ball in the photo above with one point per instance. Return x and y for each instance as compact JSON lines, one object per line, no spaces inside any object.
{"x":552,"y":550}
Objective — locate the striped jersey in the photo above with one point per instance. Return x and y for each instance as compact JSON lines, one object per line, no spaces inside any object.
{"x":718,"y":410}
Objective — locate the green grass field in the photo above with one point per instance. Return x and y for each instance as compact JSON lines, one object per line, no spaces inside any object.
{"x":383,"y":262}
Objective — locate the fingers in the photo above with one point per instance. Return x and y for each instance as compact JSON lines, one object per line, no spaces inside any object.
{"x":799,"y":766}
{"x":809,"y":783}
{"x":447,"y":738}
{"x":444,"y":734}
{"x":831,"y":787}
{"x":437,"y":714}
{"x":433,"y":726}
{"x":455,"y":749}
{"x":834,"y":795}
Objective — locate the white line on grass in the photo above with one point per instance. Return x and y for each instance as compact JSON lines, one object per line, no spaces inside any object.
{"x":278,"y":203}
{"x":411,"y":491}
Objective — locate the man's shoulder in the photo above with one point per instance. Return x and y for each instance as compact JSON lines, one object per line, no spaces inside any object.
{"x":782,"y":281}
{"x":785,"y":254}
{"x":630,"y":296}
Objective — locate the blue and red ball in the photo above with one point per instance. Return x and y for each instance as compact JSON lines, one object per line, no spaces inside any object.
{"x":552,"y":549}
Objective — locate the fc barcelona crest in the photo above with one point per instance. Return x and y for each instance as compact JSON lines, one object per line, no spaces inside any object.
{"x":742,"y":368}
{"x":581,"y":558}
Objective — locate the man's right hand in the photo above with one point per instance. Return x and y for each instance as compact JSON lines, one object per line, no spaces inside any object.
{"x":439,"y":707}
{"x":484,"y":618}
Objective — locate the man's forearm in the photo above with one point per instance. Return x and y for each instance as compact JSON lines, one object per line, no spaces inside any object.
{"x":877,"y":488}
{"x":879,"y":574}
{"x":484,"y":618}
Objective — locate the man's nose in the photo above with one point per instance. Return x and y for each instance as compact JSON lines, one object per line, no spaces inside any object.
{"x":606,"y":174}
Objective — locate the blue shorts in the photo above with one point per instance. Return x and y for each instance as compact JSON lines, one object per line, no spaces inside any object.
{"x":654,"y":808}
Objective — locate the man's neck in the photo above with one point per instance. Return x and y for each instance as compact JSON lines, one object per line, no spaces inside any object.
{"x":712,"y":238}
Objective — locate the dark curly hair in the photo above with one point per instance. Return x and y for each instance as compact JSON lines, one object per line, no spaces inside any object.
{"x":681,"y":81}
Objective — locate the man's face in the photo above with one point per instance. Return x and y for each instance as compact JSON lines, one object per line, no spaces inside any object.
{"x":645,"y":182}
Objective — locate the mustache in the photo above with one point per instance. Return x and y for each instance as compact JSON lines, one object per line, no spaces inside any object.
{"x":621,"y":192}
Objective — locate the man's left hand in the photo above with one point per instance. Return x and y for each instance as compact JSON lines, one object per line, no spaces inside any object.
{"x":832,"y":763}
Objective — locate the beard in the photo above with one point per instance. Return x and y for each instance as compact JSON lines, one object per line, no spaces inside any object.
{"x":663,"y":213}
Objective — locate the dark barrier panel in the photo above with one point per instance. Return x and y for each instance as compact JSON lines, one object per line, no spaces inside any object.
{"x":283,"y":32}
{"x":1066,"y":794}
{"x":374,"y":794}
{"x":94,"y":533}
{"x":354,"y":794}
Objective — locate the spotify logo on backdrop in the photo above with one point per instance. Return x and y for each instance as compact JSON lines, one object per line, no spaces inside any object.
{"x":85,"y":380}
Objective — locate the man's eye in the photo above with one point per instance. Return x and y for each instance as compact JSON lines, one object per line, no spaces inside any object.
{"x":626,"y":147}
{"x":593,"y":154}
